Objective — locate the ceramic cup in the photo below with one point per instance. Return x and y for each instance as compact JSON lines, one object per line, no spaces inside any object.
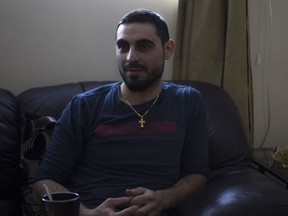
{"x":62,"y":204}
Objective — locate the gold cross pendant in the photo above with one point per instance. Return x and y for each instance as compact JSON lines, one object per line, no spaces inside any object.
{"x":141,"y":122}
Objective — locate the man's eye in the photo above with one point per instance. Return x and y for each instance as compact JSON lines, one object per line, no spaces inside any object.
{"x":123,"y":47}
{"x":145,"y":46}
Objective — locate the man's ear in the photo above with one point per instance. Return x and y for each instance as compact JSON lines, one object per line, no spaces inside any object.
{"x":169,"y":48}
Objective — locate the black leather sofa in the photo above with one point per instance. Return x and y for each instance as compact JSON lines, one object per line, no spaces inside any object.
{"x":234,"y":188}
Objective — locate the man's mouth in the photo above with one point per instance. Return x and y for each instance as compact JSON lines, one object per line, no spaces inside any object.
{"x":134,"y":68}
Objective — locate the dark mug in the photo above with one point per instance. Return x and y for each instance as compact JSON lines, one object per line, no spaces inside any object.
{"x":62,"y":204}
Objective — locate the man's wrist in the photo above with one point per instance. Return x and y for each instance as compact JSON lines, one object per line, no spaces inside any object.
{"x":84,"y":211}
{"x":162,"y":199}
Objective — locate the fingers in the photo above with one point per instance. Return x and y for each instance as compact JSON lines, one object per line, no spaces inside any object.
{"x":140,"y":201}
{"x":117,"y":202}
{"x":135,"y":192}
{"x":147,"y":201}
{"x":130,"y":211}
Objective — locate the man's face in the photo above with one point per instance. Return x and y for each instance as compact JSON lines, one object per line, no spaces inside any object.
{"x":140,"y":55}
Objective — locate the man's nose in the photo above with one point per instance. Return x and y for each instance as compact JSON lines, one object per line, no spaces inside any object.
{"x":132,"y":55}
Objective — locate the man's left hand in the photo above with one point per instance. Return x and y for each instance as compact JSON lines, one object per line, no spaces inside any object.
{"x":148,"y":201}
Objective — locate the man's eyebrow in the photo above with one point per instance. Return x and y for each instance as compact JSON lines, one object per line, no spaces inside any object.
{"x":121,"y":41}
{"x":145,"y":41}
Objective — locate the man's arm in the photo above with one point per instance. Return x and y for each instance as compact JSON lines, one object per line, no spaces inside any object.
{"x":154,"y":202}
{"x":182,"y":189}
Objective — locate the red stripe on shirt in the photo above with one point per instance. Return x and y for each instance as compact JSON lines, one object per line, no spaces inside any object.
{"x":133,"y":128}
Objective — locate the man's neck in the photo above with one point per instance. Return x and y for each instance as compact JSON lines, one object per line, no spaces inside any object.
{"x":140,"y":97}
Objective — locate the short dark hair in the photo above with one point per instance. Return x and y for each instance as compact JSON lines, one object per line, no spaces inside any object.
{"x":143,"y":16}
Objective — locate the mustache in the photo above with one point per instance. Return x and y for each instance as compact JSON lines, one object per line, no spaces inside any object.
{"x":129,"y":65}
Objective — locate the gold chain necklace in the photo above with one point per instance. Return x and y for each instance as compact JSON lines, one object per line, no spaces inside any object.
{"x":141,"y":121}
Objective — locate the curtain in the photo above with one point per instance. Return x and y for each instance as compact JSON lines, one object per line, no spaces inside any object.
{"x":212,"y":46}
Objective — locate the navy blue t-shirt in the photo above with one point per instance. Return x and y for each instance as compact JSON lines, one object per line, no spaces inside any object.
{"x":98,"y":148}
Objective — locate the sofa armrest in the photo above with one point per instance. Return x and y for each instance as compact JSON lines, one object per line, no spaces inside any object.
{"x":237,"y":192}
{"x":9,"y":146}
{"x":11,"y":206}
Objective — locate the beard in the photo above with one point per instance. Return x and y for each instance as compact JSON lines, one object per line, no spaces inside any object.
{"x":134,"y":84}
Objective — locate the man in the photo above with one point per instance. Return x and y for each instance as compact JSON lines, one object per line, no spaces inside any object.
{"x":133,"y":148}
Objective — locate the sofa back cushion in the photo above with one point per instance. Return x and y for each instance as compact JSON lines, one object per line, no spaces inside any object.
{"x":228,"y":145}
{"x":48,"y":100}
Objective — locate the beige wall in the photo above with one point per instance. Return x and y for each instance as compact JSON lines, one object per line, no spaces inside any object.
{"x":46,"y":42}
{"x":269,"y":58}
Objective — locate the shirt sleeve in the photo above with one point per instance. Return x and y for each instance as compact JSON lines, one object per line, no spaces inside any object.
{"x":195,"y":159}
{"x":66,"y":144}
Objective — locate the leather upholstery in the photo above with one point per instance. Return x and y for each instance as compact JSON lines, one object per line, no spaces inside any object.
{"x":9,"y":155}
{"x":234,"y":187}
{"x":227,"y":140}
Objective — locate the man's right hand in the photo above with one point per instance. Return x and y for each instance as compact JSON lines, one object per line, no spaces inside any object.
{"x":110,"y":207}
